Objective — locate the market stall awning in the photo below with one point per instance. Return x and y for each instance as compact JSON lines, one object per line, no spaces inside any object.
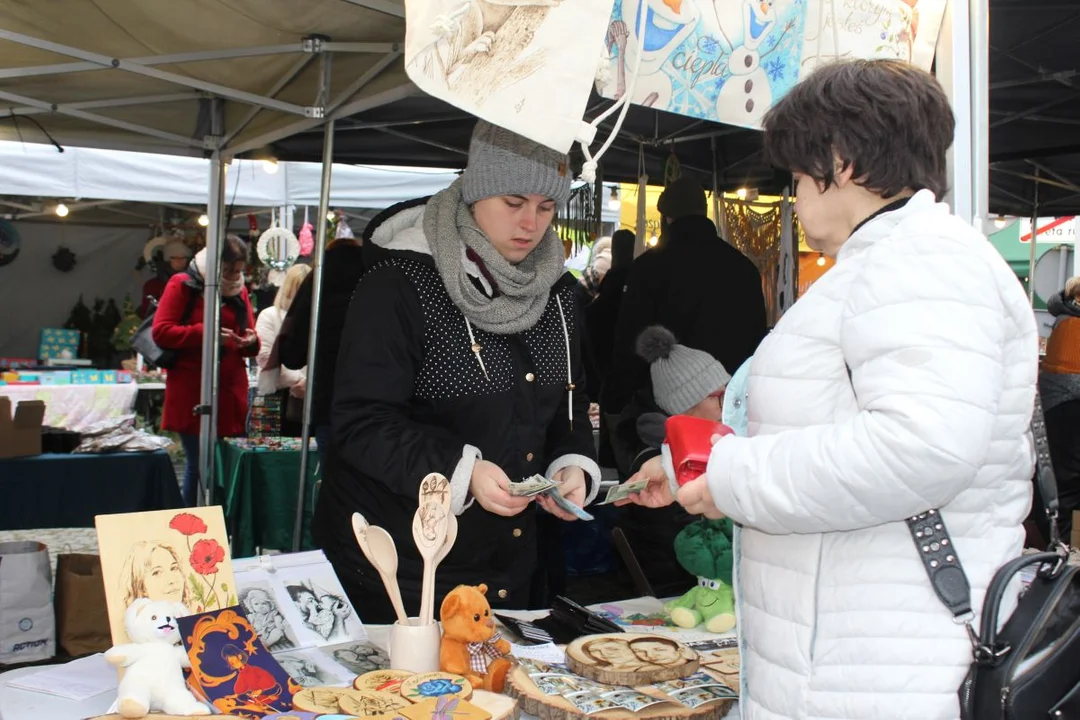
{"x":166,"y":76}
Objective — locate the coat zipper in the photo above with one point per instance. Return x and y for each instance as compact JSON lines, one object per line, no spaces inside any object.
{"x":817,"y":598}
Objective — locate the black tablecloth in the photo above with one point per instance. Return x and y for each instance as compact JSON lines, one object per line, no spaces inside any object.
{"x":57,"y":491}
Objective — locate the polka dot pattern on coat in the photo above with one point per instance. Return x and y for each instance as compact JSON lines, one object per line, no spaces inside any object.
{"x":450,"y":369}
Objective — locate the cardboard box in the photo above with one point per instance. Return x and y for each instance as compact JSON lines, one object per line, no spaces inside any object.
{"x":108,"y":377}
{"x":20,"y":433}
{"x":56,"y":377}
{"x":123,"y":376}
{"x":59,"y":343}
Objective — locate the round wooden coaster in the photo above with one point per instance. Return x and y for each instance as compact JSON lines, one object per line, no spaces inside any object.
{"x":630,"y":659}
{"x":382,"y":680}
{"x":322,"y":700}
{"x":336,"y":701}
{"x":533,"y":701}
{"x":436,"y":684}
{"x":368,"y":704}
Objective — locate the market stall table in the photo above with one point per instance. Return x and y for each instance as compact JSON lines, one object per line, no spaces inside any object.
{"x":18,"y":704}
{"x":257,"y":486}
{"x":64,"y":491}
{"x":77,"y":407}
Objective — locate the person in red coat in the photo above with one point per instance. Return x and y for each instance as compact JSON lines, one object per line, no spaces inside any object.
{"x":178,"y":326}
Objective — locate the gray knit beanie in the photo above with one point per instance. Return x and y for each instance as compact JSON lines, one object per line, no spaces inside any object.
{"x":504,"y":163}
{"x":681,"y":376}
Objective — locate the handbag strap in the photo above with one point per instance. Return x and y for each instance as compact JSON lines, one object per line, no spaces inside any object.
{"x":935,"y":548}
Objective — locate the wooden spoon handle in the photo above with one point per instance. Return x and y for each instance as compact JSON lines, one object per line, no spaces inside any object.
{"x":394,"y":592}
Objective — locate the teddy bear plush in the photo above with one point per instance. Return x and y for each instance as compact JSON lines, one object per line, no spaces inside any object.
{"x":153,"y":662}
{"x":470,"y":646}
{"x":704,"y":549}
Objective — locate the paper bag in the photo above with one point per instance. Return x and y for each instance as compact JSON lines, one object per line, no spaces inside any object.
{"x":510,"y":62}
{"x":82,"y":620}
{"x":27,"y":624}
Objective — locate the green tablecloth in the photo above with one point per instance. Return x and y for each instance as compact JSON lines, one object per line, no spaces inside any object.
{"x":65,"y":491}
{"x":257,"y":487}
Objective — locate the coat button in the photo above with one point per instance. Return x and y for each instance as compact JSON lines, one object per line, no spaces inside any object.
{"x":503,"y":594}
{"x":530,"y":377}
{"x":529,"y":457}
{"x":517,"y":532}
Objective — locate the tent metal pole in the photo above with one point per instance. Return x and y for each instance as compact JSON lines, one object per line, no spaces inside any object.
{"x":316,"y":303}
{"x":208,"y":404}
{"x":979,"y":21}
{"x":139,"y":69}
{"x":1032,"y":250}
{"x":109,"y":103}
{"x":954,"y":72}
{"x":101,"y":119}
{"x":386,"y":97}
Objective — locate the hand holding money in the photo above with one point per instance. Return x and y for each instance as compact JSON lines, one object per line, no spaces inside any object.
{"x":492,"y":489}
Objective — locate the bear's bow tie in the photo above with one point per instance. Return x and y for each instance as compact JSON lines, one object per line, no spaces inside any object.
{"x":480,"y":653}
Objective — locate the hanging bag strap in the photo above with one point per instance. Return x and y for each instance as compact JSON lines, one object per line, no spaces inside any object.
{"x":935,"y":547}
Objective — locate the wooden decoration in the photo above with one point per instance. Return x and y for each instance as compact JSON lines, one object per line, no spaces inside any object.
{"x":444,"y":708}
{"x":435,"y":684}
{"x":382,"y":681}
{"x":497,"y":707}
{"x":582,"y":699}
{"x":369,"y":704}
{"x":335,"y":700}
{"x":630,"y":659}
{"x":501,"y":707}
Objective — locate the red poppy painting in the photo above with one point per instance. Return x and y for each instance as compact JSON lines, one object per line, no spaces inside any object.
{"x":179,"y":556}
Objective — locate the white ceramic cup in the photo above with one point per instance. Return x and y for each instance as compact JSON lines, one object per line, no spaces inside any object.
{"x":415,"y":647}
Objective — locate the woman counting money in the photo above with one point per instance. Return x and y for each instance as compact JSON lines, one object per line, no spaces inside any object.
{"x":460,"y":356}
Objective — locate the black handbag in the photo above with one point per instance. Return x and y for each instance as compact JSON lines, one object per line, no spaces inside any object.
{"x":1030,"y":668}
{"x":143,"y":340}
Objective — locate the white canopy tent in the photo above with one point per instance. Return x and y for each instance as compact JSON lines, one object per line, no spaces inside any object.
{"x":92,"y":174}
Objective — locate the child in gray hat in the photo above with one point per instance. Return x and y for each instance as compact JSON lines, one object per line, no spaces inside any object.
{"x":685,"y":381}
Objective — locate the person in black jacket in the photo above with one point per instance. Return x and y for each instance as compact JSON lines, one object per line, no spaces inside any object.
{"x":460,"y":355}
{"x":696,"y":285}
{"x":343,"y":264}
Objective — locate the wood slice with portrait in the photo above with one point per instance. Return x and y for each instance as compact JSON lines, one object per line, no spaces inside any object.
{"x":630,"y":659}
{"x":555,"y":696}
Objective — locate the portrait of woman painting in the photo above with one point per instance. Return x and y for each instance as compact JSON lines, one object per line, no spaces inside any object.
{"x":179,"y":556}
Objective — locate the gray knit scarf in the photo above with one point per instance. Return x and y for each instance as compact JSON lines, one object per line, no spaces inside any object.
{"x":523,"y":289}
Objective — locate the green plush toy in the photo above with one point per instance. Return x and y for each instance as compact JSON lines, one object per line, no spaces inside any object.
{"x":704,"y":549}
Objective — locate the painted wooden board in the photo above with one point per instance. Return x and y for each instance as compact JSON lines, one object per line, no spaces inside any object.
{"x":630,"y":659}
{"x":700,"y":696}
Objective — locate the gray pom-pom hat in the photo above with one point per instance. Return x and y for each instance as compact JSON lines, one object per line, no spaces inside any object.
{"x":681,"y":376}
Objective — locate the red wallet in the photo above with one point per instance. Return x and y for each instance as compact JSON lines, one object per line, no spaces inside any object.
{"x":690,"y":441}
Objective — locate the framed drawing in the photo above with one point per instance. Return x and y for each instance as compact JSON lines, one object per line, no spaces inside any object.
{"x":174,"y":555}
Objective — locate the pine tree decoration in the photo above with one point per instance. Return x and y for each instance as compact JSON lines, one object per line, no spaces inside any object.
{"x":129,"y":323}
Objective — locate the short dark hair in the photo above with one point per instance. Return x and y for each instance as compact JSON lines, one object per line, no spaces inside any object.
{"x":888,"y":120}
{"x":234,"y":249}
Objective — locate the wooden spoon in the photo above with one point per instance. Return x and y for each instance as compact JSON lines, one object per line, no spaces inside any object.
{"x":429,"y":532}
{"x":448,"y":544}
{"x":378,"y":547}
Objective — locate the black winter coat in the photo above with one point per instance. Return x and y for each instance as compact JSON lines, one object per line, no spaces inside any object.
{"x":342,"y":267}
{"x":409,"y":396}
{"x":697,"y":286}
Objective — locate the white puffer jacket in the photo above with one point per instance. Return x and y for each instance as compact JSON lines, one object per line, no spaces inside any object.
{"x":837,"y":616}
